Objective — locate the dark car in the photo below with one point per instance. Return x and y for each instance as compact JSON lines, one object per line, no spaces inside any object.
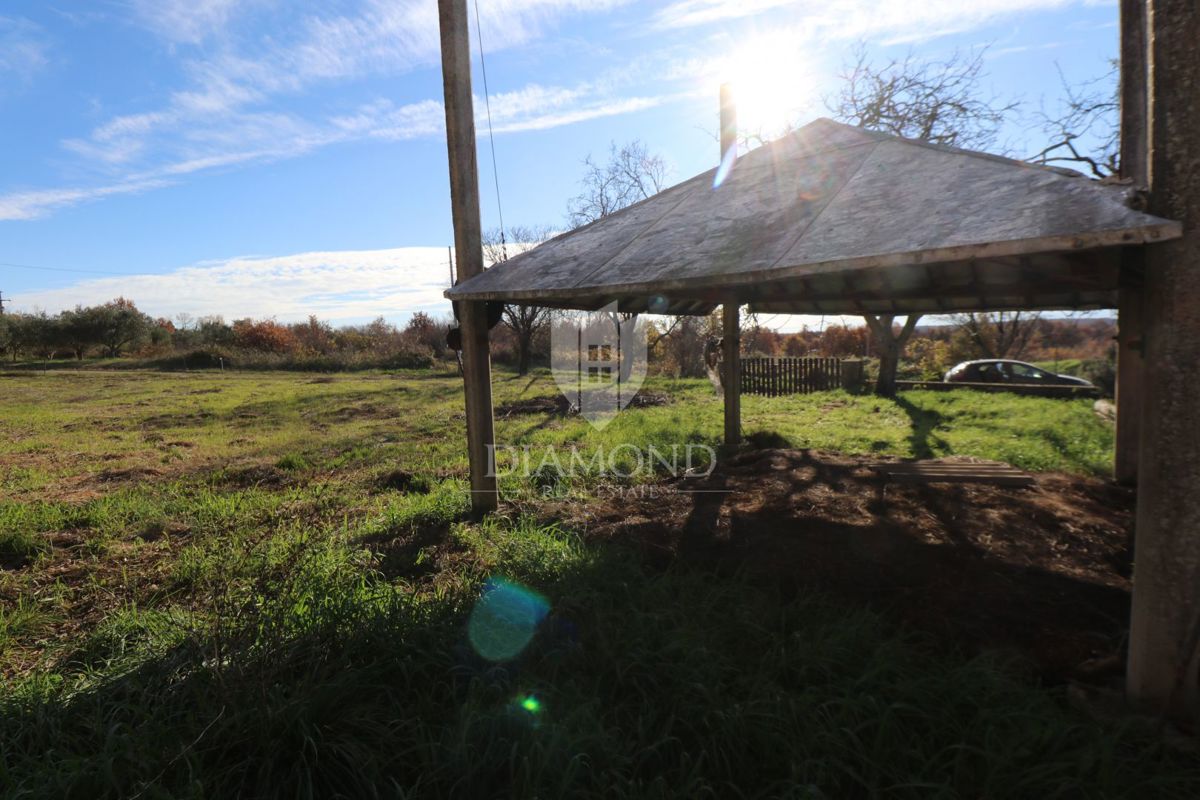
{"x":1000,"y":370}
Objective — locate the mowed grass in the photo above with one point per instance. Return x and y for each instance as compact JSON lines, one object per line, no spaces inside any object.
{"x":265,"y":585}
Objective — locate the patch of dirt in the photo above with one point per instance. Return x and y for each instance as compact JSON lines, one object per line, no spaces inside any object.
{"x":402,"y":481}
{"x":1042,"y":570}
{"x":158,"y":529}
{"x":550,"y":404}
{"x":260,"y":475}
{"x":559,"y":405}
{"x":80,"y":588}
{"x":367,"y":411}
{"x":125,"y":475}
{"x":160,"y":421}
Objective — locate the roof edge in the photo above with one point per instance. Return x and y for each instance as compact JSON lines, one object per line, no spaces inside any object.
{"x":1164,"y":230}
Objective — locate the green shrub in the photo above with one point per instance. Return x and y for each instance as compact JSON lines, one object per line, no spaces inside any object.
{"x":1102,"y":372}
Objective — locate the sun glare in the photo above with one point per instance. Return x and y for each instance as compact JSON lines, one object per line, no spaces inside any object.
{"x":773,"y":84}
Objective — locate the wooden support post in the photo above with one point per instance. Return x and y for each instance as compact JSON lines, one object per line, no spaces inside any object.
{"x":1130,"y":372}
{"x":731,"y":380}
{"x":1134,"y":166}
{"x":464,"y":202}
{"x":1164,"y":632}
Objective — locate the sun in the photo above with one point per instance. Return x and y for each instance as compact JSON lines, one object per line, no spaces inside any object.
{"x":773,"y":82}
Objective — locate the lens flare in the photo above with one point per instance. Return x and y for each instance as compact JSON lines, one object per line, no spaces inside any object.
{"x":504,"y":619}
{"x":727,"y":164}
{"x":531,"y":704}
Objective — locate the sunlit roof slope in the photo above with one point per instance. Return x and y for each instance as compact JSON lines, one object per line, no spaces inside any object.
{"x":835,"y":219}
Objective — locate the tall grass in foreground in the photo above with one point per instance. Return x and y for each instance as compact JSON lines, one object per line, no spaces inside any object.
{"x":324,"y":677}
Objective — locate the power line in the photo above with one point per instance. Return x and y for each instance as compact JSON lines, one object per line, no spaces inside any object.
{"x":487,"y":100}
{"x":62,"y":269}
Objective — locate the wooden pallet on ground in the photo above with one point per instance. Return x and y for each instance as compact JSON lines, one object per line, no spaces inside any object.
{"x":949,"y":472}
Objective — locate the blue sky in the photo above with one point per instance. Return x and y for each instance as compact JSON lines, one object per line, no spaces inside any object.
{"x":275,"y":158}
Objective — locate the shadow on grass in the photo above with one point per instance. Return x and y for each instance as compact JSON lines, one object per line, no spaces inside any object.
{"x":924,"y":422}
{"x":678,"y":683}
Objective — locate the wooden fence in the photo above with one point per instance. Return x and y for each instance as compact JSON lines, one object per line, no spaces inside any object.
{"x":776,"y":376}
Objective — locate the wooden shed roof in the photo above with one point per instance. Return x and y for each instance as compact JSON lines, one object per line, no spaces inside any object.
{"x":836,"y":219}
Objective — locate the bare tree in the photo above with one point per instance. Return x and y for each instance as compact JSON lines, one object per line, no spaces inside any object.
{"x":526,"y":322}
{"x":1091,"y":114}
{"x":631,"y":174}
{"x":939,"y":101}
{"x":1002,"y":334}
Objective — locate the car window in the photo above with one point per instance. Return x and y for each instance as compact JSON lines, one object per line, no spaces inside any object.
{"x":1026,"y":371}
{"x":989,"y":373}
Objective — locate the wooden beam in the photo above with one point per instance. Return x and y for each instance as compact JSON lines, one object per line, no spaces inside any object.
{"x":1134,"y":166}
{"x":929,"y":276}
{"x":731,"y":355}
{"x":1130,"y":383}
{"x":464,"y":202}
{"x":510,"y":285}
{"x":732,"y":378}
{"x":1164,"y":634}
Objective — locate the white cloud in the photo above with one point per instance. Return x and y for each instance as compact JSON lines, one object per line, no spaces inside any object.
{"x":232,"y":110}
{"x":602,"y":107}
{"x":890,"y":21}
{"x":533,"y":107}
{"x":22,"y":48}
{"x":187,"y":21}
{"x":247,"y":137}
{"x":345,"y":285}
{"x":40,"y":202}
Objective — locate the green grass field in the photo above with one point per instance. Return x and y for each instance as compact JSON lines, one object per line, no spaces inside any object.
{"x":238,"y":584}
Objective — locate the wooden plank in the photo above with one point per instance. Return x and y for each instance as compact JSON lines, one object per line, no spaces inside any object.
{"x":992,"y":480}
{"x":949,"y":472}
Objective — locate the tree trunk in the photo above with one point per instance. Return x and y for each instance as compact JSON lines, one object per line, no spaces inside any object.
{"x":524,"y":352}
{"x":889,"y":361}
{"x":891,"y":344}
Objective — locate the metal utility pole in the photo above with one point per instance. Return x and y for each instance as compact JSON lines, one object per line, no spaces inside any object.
{"x":468,"y":248}
{"x":1164,"y":636}
{"x":731,"y":335}
{"x":1,"y":303}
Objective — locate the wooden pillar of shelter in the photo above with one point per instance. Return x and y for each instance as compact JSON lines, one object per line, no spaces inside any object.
{"x":731,"y":379}
{"x":464,"y":201}
{"x":1134,"y":154}
{"x":1164,"y":633}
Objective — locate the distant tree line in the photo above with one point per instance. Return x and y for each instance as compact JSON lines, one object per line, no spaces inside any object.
{"x":110,"y":329}
{"x":118,"y":328}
